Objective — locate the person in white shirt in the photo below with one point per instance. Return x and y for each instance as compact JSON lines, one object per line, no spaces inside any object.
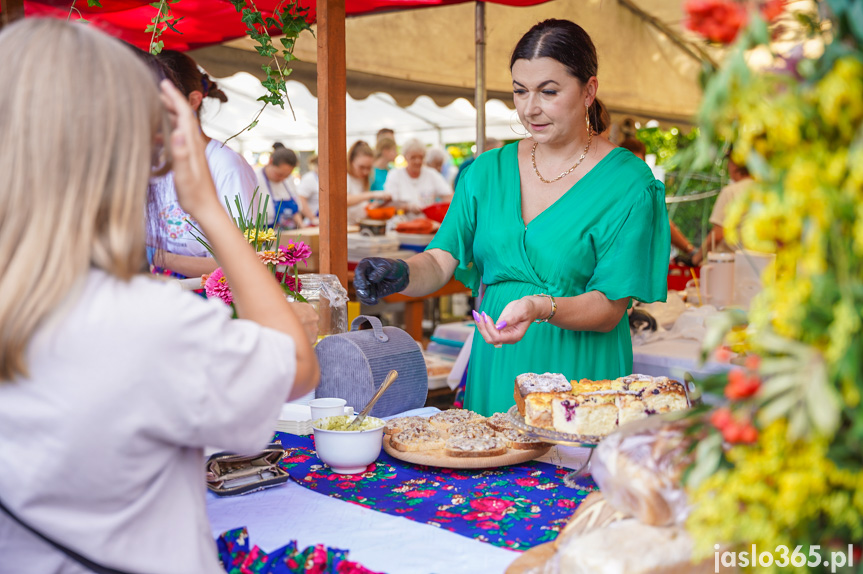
{"x":275,"y":180}
{"x":308,"y":192}
{"x":235,"y":179}
{"x":416,"y":186}
{"x":715,"y":240}
{"x":113,"y":381}
{"x":360,"y":159}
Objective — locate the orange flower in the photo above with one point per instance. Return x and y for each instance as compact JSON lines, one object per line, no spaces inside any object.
{"x":741,"y":385}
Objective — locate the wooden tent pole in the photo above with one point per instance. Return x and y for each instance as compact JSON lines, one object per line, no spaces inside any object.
{"x":332,"y":161}
{"x":11,"y":10}
{"x":480,"y":95}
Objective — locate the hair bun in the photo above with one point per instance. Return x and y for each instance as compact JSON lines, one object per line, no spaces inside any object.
{"x":212,"y":90}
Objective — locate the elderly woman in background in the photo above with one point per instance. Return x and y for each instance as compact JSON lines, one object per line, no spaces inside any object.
{"x":360,"y":159}
{"x":416,"y":186}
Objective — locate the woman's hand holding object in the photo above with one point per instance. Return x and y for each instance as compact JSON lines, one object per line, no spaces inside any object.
{"x":512,"y":324}
{"x":377,"y":277}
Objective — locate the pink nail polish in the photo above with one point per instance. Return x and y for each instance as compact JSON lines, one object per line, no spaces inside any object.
{"x":486,"y":317}
{"x":500,"y":325}
{"x":475,"y":316}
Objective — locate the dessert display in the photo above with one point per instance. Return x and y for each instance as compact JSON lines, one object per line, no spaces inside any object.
{"x":528,"y":383}
{"x":594,"y":409}
{"x":460,"y":438}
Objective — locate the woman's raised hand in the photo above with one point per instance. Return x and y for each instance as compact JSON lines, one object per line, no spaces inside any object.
{"x":512,"y":324}
{"x":195,"y":188}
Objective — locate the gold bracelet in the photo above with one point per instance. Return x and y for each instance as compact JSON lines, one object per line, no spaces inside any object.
{"x":553,"y":307}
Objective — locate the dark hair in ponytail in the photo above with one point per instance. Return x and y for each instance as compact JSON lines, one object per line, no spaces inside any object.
{"x":188,"y":78}
{"x":569,"y":44}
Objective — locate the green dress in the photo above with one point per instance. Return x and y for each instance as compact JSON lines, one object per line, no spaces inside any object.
{"x":607,"y":233}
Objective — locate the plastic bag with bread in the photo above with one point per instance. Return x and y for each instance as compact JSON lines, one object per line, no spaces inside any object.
{"x":639,"y":470}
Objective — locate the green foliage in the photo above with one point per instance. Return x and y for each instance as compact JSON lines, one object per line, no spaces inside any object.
{"x":163,"y":20}
{"x":291,"y":20}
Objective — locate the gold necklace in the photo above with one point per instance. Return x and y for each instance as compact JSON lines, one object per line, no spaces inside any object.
{"x":567,"y":172}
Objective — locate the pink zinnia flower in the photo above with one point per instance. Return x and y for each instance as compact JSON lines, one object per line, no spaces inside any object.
{"x":291,"y":284}
{"x":272,"y":257}
{"x":296,"y":252}
{"x":216,"y":285}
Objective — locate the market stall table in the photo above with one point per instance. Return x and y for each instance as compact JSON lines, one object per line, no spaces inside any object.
{"x":381,"y":542}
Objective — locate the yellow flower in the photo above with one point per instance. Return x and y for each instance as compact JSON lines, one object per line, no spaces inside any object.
{"x":261,"y":235}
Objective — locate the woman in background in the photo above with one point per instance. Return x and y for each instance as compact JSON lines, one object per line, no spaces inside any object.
{"x":386,"y":152}
{"x":416,"y":186}
{"x":234,"y":178}
{"x":275,"y":180}
{"x":360,"y":159}
{"x":308,"y":192}
{"x":106,"y":371}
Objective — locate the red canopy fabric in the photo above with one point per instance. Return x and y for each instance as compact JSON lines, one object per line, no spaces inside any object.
{"x":205,"y":22}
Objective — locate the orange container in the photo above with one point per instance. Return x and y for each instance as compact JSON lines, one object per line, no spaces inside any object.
{"x":380,"y":212}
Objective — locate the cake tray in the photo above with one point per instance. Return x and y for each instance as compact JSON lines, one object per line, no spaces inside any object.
{"x":547,"y":435}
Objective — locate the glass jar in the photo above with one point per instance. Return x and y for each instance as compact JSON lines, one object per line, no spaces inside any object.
{"x":330,"y":300}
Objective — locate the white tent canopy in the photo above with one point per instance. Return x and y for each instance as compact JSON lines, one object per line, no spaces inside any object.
{"x":423,"y":119}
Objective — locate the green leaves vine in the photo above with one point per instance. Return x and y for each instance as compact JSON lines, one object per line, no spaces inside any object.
{"x":291,"y":19}
{"x":163,"y":20}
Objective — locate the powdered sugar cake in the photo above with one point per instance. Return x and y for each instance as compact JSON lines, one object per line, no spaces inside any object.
{"x":528,"y":383}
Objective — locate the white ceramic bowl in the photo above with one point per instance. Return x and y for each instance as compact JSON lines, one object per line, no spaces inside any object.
{"x":329,"y":407}
{"x":348,"y":452}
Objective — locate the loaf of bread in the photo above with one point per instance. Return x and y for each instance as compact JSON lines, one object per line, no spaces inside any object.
{"x":639,"y":470}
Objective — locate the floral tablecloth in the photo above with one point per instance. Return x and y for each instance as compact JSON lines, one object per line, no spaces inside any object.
{"x":516,"y":507}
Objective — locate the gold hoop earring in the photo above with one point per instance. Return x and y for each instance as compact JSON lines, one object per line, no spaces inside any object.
{"x":523,"y":135}
{"x":587,"y":119}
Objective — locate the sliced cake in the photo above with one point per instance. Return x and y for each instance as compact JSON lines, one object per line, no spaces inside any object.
{"x":664,"y":396}
{"x":588,"y":386}
{"x":585,"y":415}
{"x":537,"y":408}
{"x":528,"y":383}
{"x":630,"y":408}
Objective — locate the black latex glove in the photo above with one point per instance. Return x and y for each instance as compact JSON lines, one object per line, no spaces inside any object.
{"x":686,"y":258}
{"x":377,"y":277}
{"x":641,"y":320}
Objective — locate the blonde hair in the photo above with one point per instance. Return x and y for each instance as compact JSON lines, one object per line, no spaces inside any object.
{"x":359,"y":148}
{"x":76,"y":153}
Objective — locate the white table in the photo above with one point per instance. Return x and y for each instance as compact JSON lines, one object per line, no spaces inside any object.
{"x":671,"y":358}
{"x":379,"y":541}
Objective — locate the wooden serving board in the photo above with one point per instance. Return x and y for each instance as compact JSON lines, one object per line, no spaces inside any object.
{"x":438,"y":458}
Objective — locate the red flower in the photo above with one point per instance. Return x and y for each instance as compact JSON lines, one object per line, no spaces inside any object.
{"x":526,"y":481}
{"x":716,"y":20}
{"x":298,"y":458}
{"x":419,"y":493}
{"x":446,"y":514}
{"x":752,"y":362}
{"x":345,"y":485}
{"x":771,"y":9}
{"x":490,"y":504}
{"x":741,"y":385}
{"x":567,"y":503}
{"x":721,"y":418}
{"x":487,"y":525}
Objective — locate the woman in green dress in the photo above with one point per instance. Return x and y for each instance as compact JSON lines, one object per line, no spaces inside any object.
{"x":563,"y":230}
